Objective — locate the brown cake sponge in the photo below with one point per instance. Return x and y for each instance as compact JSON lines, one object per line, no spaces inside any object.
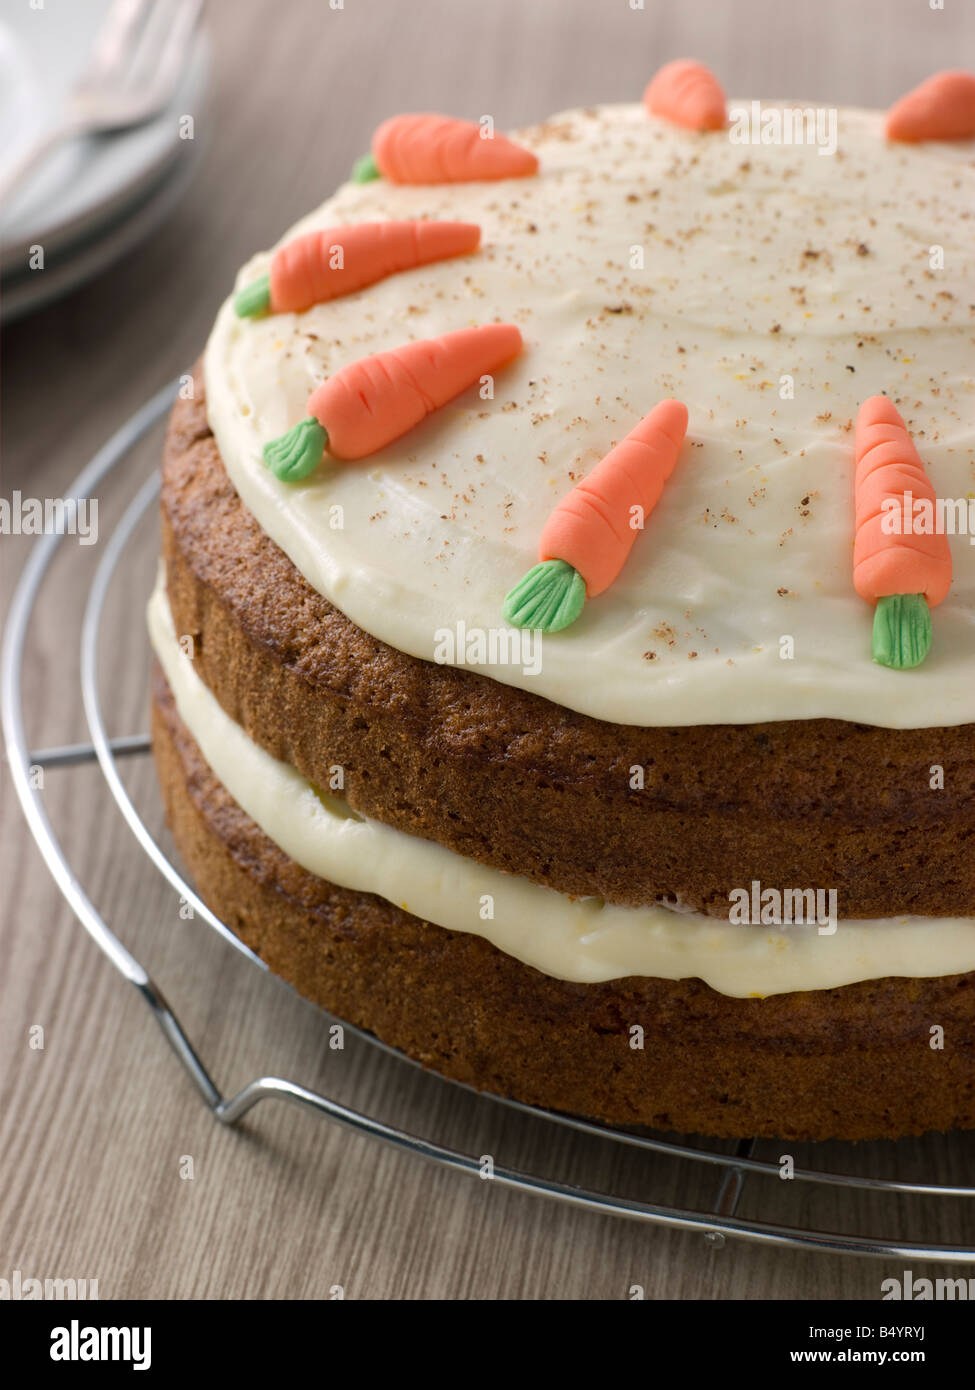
{"x":515,"y":781}
{"x":850,"y":1063}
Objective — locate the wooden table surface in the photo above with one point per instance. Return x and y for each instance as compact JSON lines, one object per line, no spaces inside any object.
{"x":96,"y":1127}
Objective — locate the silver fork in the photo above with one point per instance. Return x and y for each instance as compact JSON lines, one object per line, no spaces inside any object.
{"x":133,"y":70}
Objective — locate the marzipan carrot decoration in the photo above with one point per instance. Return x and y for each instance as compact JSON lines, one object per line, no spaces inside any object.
{"x":688,"y":94}
{"x":426,"y":148}
{"x":942,"y":108}
{"x":340,"y":260}
{"x":585,"y":542}
{"x":377,"y":398}
{"x":904,"y":575}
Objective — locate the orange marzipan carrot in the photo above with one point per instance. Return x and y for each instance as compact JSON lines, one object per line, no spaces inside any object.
{"x":888,"y":466}
{"x":903,"y":572}
{"x":335,"y":261}
{"x":427,"y":148}
{"x":687,"y":93}
{"x":377,"y":398}
{"x":942,"y":108}
{"x":587,"y":538}
{"x":306,"y":271}
{"x":591,"y":528}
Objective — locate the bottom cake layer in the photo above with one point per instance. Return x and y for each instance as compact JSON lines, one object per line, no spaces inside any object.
{"x":850,"y":1063}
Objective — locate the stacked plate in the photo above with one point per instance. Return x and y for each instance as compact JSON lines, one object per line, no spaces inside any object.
{"x":94,"y":198}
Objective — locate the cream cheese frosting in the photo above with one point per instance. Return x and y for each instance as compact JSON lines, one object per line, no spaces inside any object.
{"x":772,"y":289}
{"x":580,"y":939}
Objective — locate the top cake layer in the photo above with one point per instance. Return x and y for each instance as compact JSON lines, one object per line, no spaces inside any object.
{"x":772,"y":288}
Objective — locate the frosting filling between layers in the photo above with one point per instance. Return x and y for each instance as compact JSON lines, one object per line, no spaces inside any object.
{"x":578,"y":939}
{"x":772,"y":289}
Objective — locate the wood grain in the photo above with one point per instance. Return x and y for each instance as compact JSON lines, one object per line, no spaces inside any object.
{"x":93,"y":1127}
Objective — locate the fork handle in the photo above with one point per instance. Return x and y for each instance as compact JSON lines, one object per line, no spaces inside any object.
{"x":34,"y":155}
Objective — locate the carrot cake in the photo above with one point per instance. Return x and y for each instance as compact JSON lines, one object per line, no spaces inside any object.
{"x":565,"y":639}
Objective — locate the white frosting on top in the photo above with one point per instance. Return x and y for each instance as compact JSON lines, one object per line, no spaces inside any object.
{"x":581,"y":939}
{"x":759,"y":263}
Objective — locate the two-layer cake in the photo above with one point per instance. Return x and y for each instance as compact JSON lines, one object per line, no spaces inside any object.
{"x":560,"y":864}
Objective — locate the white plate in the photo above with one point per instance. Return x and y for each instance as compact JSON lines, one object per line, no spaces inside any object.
{"x":85,"y":185}
{"x":22,"y":294}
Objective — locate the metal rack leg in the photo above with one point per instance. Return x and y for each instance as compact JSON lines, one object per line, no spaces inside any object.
{"x":729,"y":1193}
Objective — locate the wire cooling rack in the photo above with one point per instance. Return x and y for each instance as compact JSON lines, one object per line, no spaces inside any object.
{"x":887,"y":1194}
